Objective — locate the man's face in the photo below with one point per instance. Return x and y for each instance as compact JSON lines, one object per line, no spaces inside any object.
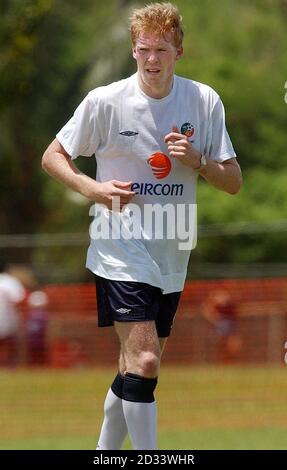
{"x":156,"y":57}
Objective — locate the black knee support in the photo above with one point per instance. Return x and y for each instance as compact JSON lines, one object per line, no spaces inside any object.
{"x":117,"y":385}
{"x":138,"y":389}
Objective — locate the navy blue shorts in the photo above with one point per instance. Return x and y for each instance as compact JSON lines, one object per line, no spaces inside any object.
{"x":131,"y":301}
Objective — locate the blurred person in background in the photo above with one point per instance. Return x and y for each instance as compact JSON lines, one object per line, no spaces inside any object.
{"x":12,"y":293}
{"x":151,"y":133}
{"x":37,"y":328}
{"x":220,"y":310}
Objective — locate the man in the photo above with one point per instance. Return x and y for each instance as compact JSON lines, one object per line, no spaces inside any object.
{"x":152,"y":134}
{"x":220,"y":310}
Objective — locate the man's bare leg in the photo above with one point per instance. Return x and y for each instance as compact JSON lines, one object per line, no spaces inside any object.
{"x":114,"y":428}
{"x":122,"y":364}
{"x":140,"y":361}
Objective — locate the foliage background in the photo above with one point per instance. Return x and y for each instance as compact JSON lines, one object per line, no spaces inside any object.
{"x":52,"y":53}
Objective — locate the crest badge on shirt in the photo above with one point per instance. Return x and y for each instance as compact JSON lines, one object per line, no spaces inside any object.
{"x":188,"y":129}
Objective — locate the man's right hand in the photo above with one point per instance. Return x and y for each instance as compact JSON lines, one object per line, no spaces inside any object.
{"x":117,"y":191}
{"x":58,"y":163}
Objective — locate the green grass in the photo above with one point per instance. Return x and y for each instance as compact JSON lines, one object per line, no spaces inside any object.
{"x":198,"y":407}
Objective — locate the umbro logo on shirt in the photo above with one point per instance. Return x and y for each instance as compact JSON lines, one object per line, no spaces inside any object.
{"x":123,"y":310}
{"x":129,"y":133}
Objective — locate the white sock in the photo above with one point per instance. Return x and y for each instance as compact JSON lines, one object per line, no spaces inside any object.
{"x":141,"y":419}
{"x":114,"y":428}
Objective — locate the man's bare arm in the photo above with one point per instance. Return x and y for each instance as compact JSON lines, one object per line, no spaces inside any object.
{"x":58,"y":164}
{"x":225,"y":176}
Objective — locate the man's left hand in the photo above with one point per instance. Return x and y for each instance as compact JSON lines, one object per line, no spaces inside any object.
{"x":179,"y":147}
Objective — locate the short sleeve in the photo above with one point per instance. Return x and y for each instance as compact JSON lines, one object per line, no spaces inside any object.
{"x":81,"y":134}
{"x":13,"y":289}
{"x":218,"y":145}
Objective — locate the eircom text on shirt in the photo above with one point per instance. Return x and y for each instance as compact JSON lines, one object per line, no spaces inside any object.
{"x":150,"y":222}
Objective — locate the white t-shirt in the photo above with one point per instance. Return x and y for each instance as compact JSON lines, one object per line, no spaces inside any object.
{"x":125,"y":129}
{"x":11,"y":292}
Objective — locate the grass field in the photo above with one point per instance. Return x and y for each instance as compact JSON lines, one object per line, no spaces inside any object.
{"x":198,"y":407}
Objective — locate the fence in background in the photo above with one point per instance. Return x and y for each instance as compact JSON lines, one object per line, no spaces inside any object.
{"x":74,"y":340}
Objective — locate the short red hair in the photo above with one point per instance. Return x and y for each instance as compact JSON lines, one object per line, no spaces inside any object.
{"x":158,"y":18}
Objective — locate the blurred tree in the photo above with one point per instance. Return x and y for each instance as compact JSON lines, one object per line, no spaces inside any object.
{"x":47,"y":51}
{"x":34,"y":37}
{"x":239,"y":48}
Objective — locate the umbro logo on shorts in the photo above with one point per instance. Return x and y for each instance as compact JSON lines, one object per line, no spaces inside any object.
{"x":123,"y":310}
{"x":129,"y":133}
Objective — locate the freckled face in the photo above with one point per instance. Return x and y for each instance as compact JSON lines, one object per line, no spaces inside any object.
{"x":156,"y":57}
